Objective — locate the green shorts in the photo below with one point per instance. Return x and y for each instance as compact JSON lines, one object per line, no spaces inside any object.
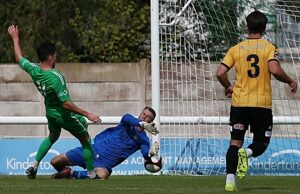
{"x":75,"y":124}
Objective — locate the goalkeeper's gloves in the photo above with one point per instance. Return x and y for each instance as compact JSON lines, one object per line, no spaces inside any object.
{"x":150,"y":127}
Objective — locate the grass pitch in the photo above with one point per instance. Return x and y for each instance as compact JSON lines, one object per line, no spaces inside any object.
{"x":148,"y":184}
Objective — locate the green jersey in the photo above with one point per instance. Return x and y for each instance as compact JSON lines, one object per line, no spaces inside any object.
{"x":52,"y":85}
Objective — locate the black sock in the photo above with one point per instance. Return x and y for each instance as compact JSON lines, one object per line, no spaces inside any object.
{"x":232,"y":159}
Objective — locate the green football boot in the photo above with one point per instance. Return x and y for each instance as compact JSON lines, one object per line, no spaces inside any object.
{"x":230,"y":187}
{"x":242,"y":163}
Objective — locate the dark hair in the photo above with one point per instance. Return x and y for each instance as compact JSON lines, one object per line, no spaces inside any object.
{"x":256,"y":22}
{"x":151,"y":110}
{"x":44,"y":50}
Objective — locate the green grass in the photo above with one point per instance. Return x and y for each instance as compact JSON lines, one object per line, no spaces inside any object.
{"x":148,"y":184}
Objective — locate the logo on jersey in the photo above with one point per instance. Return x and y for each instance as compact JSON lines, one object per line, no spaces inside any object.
{"x":276,"y":52}
{"x":65,"y":92}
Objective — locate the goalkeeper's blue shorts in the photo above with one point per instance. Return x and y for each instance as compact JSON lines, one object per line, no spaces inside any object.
{"x":76,"y":157}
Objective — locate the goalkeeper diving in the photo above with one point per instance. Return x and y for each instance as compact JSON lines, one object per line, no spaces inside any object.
{"x":111,"y":147}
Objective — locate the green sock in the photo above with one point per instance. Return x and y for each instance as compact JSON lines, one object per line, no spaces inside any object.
{"x":43,"y":149}
{"x":88,"y":156}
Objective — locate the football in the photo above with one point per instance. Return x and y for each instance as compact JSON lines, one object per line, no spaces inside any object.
{"x":154,"y":164}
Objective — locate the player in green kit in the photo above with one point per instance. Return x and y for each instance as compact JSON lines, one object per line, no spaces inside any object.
{"x":60,"y":111}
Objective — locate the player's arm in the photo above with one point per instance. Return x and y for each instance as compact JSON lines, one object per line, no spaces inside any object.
{"x":14,"y":33}
{"x":128,"y":119}
{"x":145,"y":146}
{"x":223,"y":68}
{"x":223,"y":79}
{"x":280,"y":75}
{"x":63,"y":95}
{"x":75,"y":109}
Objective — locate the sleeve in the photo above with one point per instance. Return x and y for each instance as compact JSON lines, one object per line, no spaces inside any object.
{"x":128,"y":119}
{"x":26,"y":65}
{"x":145,"y":146}
{"x":228,"y":60}
{"x":274,"y":53}
{"x":60,"y":88}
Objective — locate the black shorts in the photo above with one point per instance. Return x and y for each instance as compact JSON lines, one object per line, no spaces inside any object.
{"x":260,"y":121}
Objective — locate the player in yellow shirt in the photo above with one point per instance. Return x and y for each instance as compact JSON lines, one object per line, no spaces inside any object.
{"x":254,"y":60}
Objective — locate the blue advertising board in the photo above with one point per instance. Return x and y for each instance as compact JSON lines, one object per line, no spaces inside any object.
{"x":194,"y":156}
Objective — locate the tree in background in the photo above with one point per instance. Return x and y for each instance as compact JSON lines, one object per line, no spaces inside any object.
{"x":221,"y":16}
{"x":116,"y":32}
{"x":83,"y":30}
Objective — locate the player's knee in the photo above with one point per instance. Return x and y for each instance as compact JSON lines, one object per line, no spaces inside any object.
{"x":85,"y":140}
{"x":54,"y":161}
{"x":102,"y":173}
{"x":258,"y":148}
{"x":104,"y":177}
{"x":60,"y":162}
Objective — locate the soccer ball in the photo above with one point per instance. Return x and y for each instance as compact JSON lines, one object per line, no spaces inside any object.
{"x":154,"y":164}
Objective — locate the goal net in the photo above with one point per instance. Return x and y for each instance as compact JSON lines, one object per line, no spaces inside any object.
{"x":194,"y":37}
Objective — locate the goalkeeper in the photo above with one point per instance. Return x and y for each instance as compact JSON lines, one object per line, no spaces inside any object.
{"x":111,"y":147}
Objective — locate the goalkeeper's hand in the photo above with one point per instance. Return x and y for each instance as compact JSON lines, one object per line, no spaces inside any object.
{"x":150,"y":127}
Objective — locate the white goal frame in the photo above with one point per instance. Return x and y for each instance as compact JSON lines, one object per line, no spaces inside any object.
{"x":41,"y":120}
{"x":190,"y":137}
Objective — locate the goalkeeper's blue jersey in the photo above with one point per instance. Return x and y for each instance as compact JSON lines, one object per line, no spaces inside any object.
{"x":116,"y":144}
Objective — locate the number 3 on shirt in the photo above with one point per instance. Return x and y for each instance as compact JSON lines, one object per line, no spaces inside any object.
{"x":254,"y":59}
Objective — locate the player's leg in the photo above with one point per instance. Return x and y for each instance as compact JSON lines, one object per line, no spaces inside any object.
{"x":261,"y":128}
{"x":101,"y":173}
{"x":231,"y":164}
{"x":44,"y":148}
{"x":237,"y":133}
{"x":60,"y":162}
{"x":77,"y":126}
{"x":103,"y":166}
{"x":74,"y":157}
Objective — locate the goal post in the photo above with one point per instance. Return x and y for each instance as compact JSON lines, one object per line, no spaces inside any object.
{"x":155,"y":74}
{"x":193,"y":38}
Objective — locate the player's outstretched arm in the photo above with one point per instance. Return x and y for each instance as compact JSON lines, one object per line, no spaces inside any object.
{"x":75,"y":109}
{"x":14,"y":33}
{"x":131,"y":120}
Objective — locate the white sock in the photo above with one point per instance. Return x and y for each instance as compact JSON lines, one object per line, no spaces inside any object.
{"x":35,"y":164}
{"x":230,"y":178}
{"x":91,"y":174}
{"x":249,"y":152}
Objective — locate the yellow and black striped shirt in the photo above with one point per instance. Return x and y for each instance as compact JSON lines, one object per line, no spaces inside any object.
{"x":250,"y":59}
